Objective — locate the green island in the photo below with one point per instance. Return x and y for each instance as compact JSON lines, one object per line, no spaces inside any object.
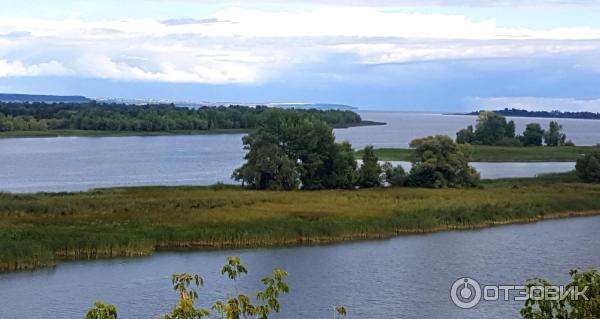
{"x":41,"y":229}
{"x":488,"y":153}
{"x":18,"y":119}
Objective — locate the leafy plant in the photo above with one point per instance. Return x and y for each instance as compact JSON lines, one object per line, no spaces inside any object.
{"x":569,"y":307}
{"x":231,"y":307}
{"x":102,"y":311}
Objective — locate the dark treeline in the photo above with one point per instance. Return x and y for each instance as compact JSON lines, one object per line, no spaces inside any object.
{"x":550,"y":114}
{"x":149,"y":118}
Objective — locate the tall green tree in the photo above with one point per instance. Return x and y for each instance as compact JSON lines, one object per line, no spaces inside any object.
{"x":554,"y":135}
{"x":441,"y":163}
{"x":491,"y":128}
{"x":369,"y":174}
{"x":533,"y":135}
{"x":292,"y":149}
{"x":344,"y":168}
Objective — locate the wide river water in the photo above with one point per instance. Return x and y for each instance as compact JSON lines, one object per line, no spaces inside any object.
{"x":81,"y":163}
{"x":403,"y":277}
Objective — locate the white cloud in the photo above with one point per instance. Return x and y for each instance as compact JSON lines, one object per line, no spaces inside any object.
{"x":537,"y":103}
{"x":17,"y":68}
{"x":250,"y":46}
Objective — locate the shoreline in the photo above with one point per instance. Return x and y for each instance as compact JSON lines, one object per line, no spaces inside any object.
{"x":95,"y":133}
{"x":43,"y":229}
{"x":501,"y":154}
{"x":300,"y":242}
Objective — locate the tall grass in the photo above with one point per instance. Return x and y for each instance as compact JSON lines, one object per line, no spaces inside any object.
{"x":40,"y":229}
{"x":482,"y":153}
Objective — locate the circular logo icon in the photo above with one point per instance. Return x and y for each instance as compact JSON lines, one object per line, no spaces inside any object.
{"x":465,"y":292}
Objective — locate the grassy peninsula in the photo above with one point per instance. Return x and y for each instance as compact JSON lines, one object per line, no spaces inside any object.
{"x":41,"y":229}
{"x":485,"y":153}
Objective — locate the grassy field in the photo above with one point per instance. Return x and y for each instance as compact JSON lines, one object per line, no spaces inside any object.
{"x":92,"y":133}
{"x":41,"y":229}
{"x":501,"y":153}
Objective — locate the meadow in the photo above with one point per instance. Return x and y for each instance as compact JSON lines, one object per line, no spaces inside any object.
{"x":39,"y":230}
{"x":483,"y":153}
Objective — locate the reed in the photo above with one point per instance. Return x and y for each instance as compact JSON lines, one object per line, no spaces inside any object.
{"x":483,"y":153}
{"x":41,"y":229}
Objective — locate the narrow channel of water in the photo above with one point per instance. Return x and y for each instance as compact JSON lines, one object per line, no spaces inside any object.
{"x":404,"y":277}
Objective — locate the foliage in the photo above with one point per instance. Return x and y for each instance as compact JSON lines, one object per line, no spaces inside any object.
{"x":588,"y":168}
{"x":466,"y":135}
{"x":554,"y":136}
{"x":547,"y":114}
{"x":369,"y":174}
{"x":441,"y":163}
{"x":394,"y":175}
{"x":491,"y":129}
{"x":148,"y":118}
{"x":345,"y":173}
{"x":290,"y":149}
{"x":340,"y":311}
{"x":232,"y":307}
{"x":185,"y":308}
{"x":568,"y":307}
{"x":102,"y":311}
{"x":533,"y":135}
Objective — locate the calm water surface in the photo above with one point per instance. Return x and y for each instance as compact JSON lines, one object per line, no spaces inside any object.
{"x":80,"y":163}
{"x":403,"y":277}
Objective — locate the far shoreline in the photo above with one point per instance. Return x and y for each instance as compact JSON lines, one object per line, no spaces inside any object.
{"x":96,"y":133}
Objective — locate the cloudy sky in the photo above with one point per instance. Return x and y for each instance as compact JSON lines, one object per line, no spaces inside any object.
{"x":427,"y":55}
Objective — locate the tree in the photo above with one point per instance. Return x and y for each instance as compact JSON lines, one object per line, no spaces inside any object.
{"x":267,"y":164}
{"x":533,"y":135}
{"x":569,"y":307}
{"x":294,"y":149}
{"x":465,"y":136}
{"x":441,"y":163}
{"x":554,"y":135}
{"x":588,"y":168}
{"x":491,"y":128}
{"x":394,"y":175}
{"x":369,"y":174}
{"x":344,"y":167}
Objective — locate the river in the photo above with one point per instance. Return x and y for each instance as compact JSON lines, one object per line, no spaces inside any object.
{"x":403,"y":277}
{"x":81,"y":163}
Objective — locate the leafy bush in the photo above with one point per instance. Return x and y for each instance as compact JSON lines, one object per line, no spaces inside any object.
{"x":588,"y":168}
{"x":441,"y":163}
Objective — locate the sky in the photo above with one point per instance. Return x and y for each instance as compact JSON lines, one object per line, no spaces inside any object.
{"x":405,"y":55}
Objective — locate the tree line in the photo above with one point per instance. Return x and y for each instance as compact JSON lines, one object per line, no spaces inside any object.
{"x":548,"y":114}
{"x":289,"y":151}
{"x":493,"y":129}
{"x":150,"y":118}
